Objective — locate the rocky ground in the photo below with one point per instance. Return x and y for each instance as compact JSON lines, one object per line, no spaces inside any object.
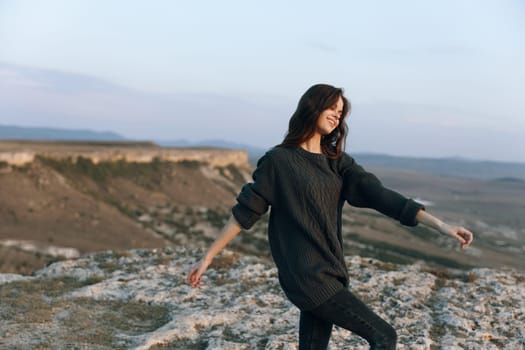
{"x":139,"y":299}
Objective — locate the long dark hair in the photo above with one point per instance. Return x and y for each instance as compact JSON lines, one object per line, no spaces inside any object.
{"x":304,"y":120}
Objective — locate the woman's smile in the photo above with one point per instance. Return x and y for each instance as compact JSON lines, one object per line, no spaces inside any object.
{"x":329,"y":119}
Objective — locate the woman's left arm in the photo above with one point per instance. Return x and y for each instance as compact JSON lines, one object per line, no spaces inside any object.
{"x":464,"y":236}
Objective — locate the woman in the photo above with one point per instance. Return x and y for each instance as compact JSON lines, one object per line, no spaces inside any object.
{"x":306,"y":180}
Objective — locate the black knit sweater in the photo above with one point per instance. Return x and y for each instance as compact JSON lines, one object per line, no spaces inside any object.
{"x":306,"y":192}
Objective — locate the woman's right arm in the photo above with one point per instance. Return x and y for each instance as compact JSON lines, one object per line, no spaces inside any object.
{"x":228,"y":232}
{"x":252,"y":202}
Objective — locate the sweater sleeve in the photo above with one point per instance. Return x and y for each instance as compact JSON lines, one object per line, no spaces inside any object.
{"x":363,"y":189}
{"x":255,"y":197}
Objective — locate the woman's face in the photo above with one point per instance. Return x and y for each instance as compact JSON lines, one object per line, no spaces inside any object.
{"x":328,"y":120}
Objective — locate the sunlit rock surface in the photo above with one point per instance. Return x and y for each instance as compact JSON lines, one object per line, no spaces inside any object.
{"x":240,"y":304}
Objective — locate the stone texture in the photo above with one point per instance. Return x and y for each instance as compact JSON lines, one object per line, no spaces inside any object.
{"x":240,"y":304}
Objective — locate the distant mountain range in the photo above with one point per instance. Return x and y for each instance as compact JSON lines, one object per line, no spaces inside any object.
{"x":8,"y":132}
{"x":507,"y":171}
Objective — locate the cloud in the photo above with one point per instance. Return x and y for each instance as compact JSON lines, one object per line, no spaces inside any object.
{"x":12,"y":77}
{"x":36,"y":97}
{"x":33,"y":97}
{"x":53,"y":80}
{"x":322,"y":47}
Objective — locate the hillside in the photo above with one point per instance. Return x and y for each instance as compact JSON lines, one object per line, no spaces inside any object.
{"x":98,"y":196}
{"x":64,"y":199}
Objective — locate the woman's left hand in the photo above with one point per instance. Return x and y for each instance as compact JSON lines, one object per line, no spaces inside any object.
{"x":464,"y":236}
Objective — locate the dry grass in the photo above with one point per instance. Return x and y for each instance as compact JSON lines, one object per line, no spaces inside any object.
{"x":225,"y":261}
{"x":80,"y":320}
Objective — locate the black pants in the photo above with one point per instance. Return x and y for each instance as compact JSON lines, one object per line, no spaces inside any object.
{"x":344,"y":310}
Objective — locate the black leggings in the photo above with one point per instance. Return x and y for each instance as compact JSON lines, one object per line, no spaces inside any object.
{"x":344,"y":310}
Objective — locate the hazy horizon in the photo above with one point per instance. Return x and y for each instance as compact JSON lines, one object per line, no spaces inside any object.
{"x":434,"y":79}
{"x":88,"y":135}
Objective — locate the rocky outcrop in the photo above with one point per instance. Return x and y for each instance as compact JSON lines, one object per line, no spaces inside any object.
{"x":61,"y":198}
{"x":20,"y":153}
{"x":139,"y":299}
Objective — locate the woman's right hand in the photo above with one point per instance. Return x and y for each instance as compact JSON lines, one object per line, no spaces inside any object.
{"x":229,"y":231}
{"x":196,"y":272}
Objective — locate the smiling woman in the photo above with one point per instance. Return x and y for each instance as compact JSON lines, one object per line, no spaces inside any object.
{"x":320,"y":120}
{"x":306,"y":181}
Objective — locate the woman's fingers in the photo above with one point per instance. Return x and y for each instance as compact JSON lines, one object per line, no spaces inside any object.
{"x":195,"y":281}
{"x":194,"y":278}
{"x":464,"y":236}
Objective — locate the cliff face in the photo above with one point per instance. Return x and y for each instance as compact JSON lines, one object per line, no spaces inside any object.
{"x":22,"y":153}
{"x":81,"y":197}
{"x":139,"y":299}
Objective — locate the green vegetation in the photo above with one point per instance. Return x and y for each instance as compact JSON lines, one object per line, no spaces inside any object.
{"x":200,"y":344}
{"x":232,"y":172}
{"x":190,"y":164}
{"x":146,"y":174}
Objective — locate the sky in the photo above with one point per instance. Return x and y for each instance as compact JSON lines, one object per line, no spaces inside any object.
{"x":425,"y":78}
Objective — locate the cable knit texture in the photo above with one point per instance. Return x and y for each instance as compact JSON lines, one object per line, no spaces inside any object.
{"x":306,"y":192}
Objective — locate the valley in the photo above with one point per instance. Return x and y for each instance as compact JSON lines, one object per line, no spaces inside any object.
{"x":89,"y":197}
